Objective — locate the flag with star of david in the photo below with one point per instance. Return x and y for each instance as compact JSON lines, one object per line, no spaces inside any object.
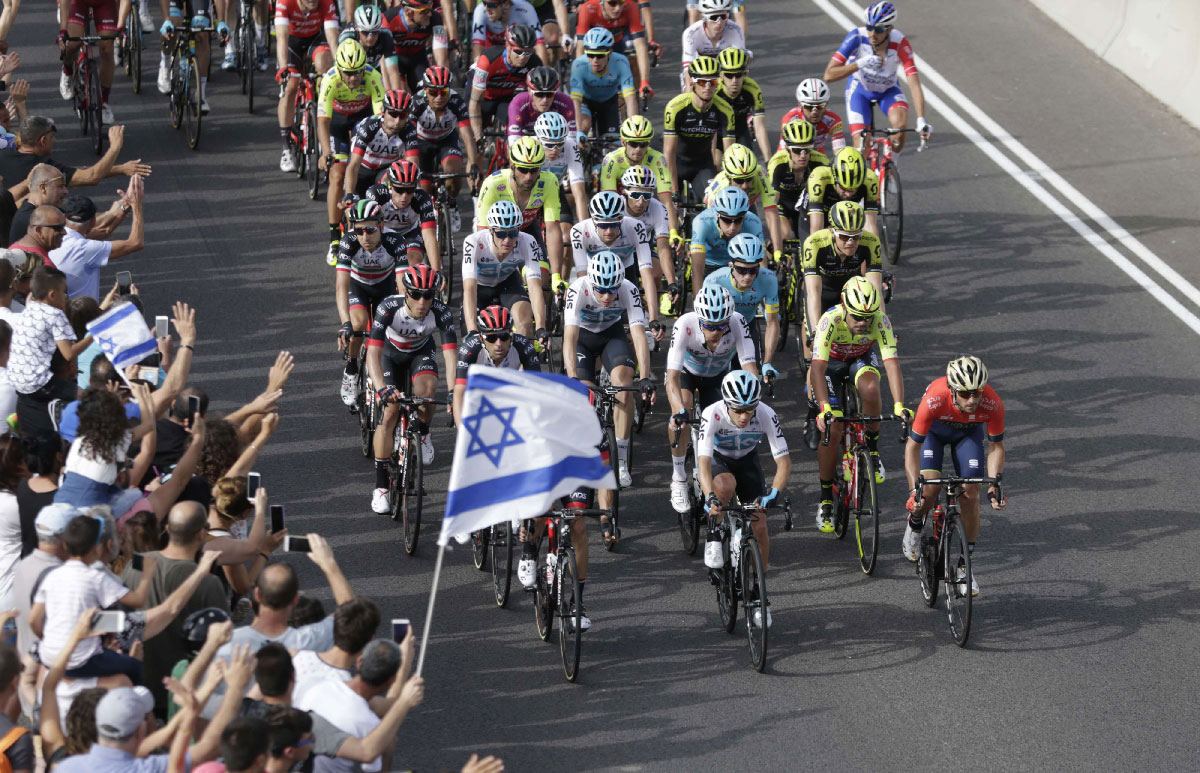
{"x":524,"y":439}
{"x":123,"y":336}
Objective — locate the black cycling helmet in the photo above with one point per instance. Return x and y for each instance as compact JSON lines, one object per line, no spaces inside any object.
{"x":195,"y":627}
{"x":544,"y":78}
{"x":521,"y":36}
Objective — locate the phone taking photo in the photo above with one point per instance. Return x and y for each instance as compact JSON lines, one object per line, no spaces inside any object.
{"x":276,"y":518}
{"x":252,"y":482}
{"x":400,"y":629}
{"x":193,"y":408}
{"x":108,"y":621}
{"x":296,"y":544}
{"x":138,"y":562}
{"x":161,"y":327}
{"x":124,"y":282}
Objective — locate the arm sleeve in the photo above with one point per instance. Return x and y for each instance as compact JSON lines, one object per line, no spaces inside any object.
{"x":611,"y":171}
{"x":577,"y":79}
{"x":479,"y":26}
{"x":468,"y":350}
{"x":447,"y":324}
{"x":886,"y":337}
{"x":633,"y":304}
{"x":532,"y":254}
{"x":765,"y":189}
{"x":678,"y":345}
{"x":689,"y":48}
{"x":384,"y":315}
{"x":662,"y":173}
{"x":905,"y":52}
{"x":770,"y":292}
{"x":363,"y":132}
{"x":633,"y":18}
{"x":823,"y":340}
{"x":775,"y":436}
{"x":574,"y":163}
{"x":571,"y":306}
{"x":579,"y":254}
{"x":741,"y":332}
{"x":995,"y":423}
{"x":469,"y":249}
{"x":848,"y":47}
{"x":552,"y":205}
{"x":922,"y":421}
{"x":527,"y":354}
{"x":626,"y":78}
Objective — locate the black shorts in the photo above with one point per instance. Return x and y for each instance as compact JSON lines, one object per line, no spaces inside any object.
{"x":610,"y":346}
{"x":707,"y":387}
{"x":189,"y":9}
{"x":634,"y":274}
{"x":434,"y":153}
{"x":700,"y":170}
{"x":370,"y":296}
{"x":495,"y":109}
{"x":341,"y":126}
{"x":742,"y":132}
{"x":839,"y":372}
{"x":301,"y":51}
{"x":606,"y":116}
{"x":507,"y":293}
{"x":413,"y":69}
{"x":367,"y":178}
{"x":400,"y":366}
{"x":746,"y":471}
{"x":545,"y":13}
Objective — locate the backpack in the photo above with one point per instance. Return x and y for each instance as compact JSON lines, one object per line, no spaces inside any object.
{"x":6,"y":743}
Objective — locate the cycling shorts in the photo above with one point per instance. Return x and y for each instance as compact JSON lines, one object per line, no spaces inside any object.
{"x":610,"y":346}
{"x":341,"y":127}
{"x":496,"y":109}
{"x":606,"y":116}
{"x":545,"y":13}
{"x":413,"y":69}
{"x":369,"y":296}
{"x":838,"y":371}
{"x":434,"y":153}
{"x":301,"y":51}
{"x":104,"y":12}
{"x":511,"y":290}
{"x":699,"y":171}
{"x":367,"y":178}
{"x":966,"y":446}
{"x":859,"y":99}
{"x":707,"y":387}
{"x":397,"y":365}
{"x":746,"y":471}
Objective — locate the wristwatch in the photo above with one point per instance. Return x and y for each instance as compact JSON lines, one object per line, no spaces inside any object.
{"x":125,"y":207}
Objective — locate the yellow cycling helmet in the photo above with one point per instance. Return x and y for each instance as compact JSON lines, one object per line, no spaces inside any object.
{"x":799,"y":134}
{"x":351,"y":56}
{"x":526,"y":151}
{"x":732,"y":60}
{"x":860,"y":297}
{"x":849,"y":168}
{"x":703,"y":67}
{"x":847,"y":217}
{"x":739,"y":162}
{"x":637,"y":129}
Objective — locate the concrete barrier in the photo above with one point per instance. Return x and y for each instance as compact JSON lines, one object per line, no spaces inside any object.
{"x":1154,"y":42}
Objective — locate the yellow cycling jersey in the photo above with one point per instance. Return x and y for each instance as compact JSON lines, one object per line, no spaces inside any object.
{"x":835,"y":340}
{"x":822,"y":194}
{"x":615,"y":164}
{"x":544,"y":201}
{"x":337,"y":97}
{"x":759,"y":188}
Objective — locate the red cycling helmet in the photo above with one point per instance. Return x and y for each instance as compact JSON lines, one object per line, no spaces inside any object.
{"x":493,"y":319}
{"x":437,"y":77}
{"x":421,"y":277}
{"x":403,"y":173}
{"x":395,"y":99}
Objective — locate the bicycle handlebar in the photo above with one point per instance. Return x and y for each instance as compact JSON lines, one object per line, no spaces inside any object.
{"x":90,"y":38}
{"x":573,"y":512}
{"x":861,"y":420}
{"x":677,"y":423}
{"x":445,"y":175}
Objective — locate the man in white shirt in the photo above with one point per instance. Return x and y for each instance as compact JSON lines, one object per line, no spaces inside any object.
{"x":354,"y":625}
{"x":80,"y":257}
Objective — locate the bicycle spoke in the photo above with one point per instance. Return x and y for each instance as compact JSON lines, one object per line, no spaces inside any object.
{"x":570,"y":609}
{"x":957,"y":569}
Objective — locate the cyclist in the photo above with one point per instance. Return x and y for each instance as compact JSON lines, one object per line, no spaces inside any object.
{"x":555,"y":19}
{"x":751,"y":284}
{"x":261,"y":11}
{"x":350,"y":91}
{"x":638,"y":183}
{"x":416,"y":31}
{"x":408,"y":211}
{"x":73,"y":22}
{"x":400,"y":350}
{"x":491,"y":19}
{"x":844,"y":350}
{"x":499,"y":73}
{"x":788,"y":172}
{"x":541,"y":96}
{"x":812,"y":96}
{"x":954,"y":411}
{"x":740,"y":169}
{"x":871,"y":56}
{"x":299,"y":25}
{"x":369,"y":259}
{"x":712,"y":229}
{"x":691,"y":123}
{"x":846,"y":179}
{"x":727,"y":455}
{"x":623,"y":21}
{"x":370,"y":30}
{"x":493,"y":261}
{"x":739,"y":12}
{"x":710,"y":35}
{"x":534,"y":191}
{"x":438,"y":112}
{"x":596,"y":78}
{"x":703,"y":345}
{"x":378,"y":142}
{"x":745,"y":96}
{"x":564,"y":162}
{"x":596,"y":306}
{"x":636,"y":135}
{"x":492,"y":343}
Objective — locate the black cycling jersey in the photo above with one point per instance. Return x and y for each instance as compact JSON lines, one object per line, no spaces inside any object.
{"x":521,"y":354}
{"x":695,"y":128}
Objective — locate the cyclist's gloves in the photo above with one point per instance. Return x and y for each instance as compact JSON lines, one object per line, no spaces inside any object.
{"x":673,"y":291}
{"x":453,"y":45}
{"x":346,"y":331}
{"x":712,"y":501}
{"x":902,"y":413}
{"x":768,"y":498}
{"x":542,"y":335}
{"x":769,"y":372}
{"x":223,"y":31}
{"x":679,"y":418}
{"x":281,"y":75}
{"x":676,"y":239}
{"x":647,"y":90}
{"x":557,"y":284}
{"x":167,"y":28}
{"x":830,"y":413}
{"x":387,"y":393}
{"x":646,"y":385}
{"x":62,"y":38}
{"x":923,"y":128}
{"x":656,"y":327}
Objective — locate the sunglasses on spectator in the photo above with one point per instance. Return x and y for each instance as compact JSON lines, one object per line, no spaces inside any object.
{"x":365,"y":229}
{"x":746,"y":270}
{"x":419,"y":295}
{"x":544,"y":94}
{"x":608,"y":226}
{"x":880,"y":28}
{"x":506,"y":233}
{"x":717,"y":16}
{"x":605,"y":290}
{"x":436,"y":91}
{"x":638,"y":143}
{"x":396,"y":113}
{"x":731,"y":220}
{"x":969,"y":394}
{"x":715,"y":326}
{"x":597,"y":54}
{"x":705,"y":81}
{"x":640,"y":195}
{"x":492,"y":338}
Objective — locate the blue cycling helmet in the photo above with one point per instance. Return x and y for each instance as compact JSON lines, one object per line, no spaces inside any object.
{"x":504,"y":215}
{"x":881,"y":15}
{"x":732,"y":202}
{"x":607,"y":206}
{"x":714,"y":304}
{"x":746,"y":248}
{"x":605,"y":270}
{"x":597,"y":39}
{"x":741,"y":389}
{"x":550,"y":127}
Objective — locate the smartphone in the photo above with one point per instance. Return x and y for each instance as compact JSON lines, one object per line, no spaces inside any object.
{"x":296,"y":544}
{"x":124,"y":282}
{"x":138,"y":562}
{"x":252,"y":481}
{"x":276,"y":517}
{"x":400,"y":629}
{"x":161,"y":327}
{"x":193,"y":408}
{"x":108,"y":621}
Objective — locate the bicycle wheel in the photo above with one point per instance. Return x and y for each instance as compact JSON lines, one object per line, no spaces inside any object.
{"x":927,"y":570}
{"x":866,"y":512}
{"x":785,"y":307}
{"x":365,"y":407}
{"x":689,"y":523}
{"x":445,"y":237}
{"x":754,"y":591}
{"x":841,"y":508}
{"x":570,"y":614}
{"x":501,"y":541}
{"x":479,"y":548}
{"x":96,"y":108}
{"x":79,"y":101}
{"x":543,"y":593}
{"x":175,"y":100}
{"x":133,"y":59}
{"x":248,"y":64}
{"x":727,"y":595}
{"x":412,"y":493}
{"x":191,"y":107}
{"x":312,"y":151}
{"x":891,"y":213}
{"x":957,"y":568}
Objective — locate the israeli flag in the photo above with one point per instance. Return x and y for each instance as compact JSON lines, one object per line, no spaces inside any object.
{"x":123,"y":335}
{"x":524,"y":439}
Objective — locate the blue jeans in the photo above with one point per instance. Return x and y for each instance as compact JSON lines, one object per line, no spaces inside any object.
{"x":109,"y":663}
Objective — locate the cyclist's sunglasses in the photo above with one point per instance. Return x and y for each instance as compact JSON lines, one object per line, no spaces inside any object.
{"x":861,"y":317}
{"x":731,"y":220}
{"x":608,"y":226}
{"x":396,"y":113}
{"x":554,"y":145}
{"x":733,"y":73}
{"x":746,"y":270}
{"x":597,"y":54}
{"x":544,"y":94}
{"x":403,"y":189}
{"x":522,"y":51}
{"x":815,"y":106}
{"x":741,"y":178}
{"x":490,"y":5}
{"x":717,"y":16}
{"x":508,"y":233}
{"x":492,"y":338}
{"x":743,"y":409}
{"x":527,"y":169}
{"x":614,"y":3}
{"x":715,"y":326}
{"x":640,"y":195}
{"x":968,"y":394}
{"x":351,"y":73}
{"x":879,"y":28}
{"x":419,"y":295}
{"x":848,"y":237}
{"x":638,"y":143}
{"x":436,"y":91}
{"x":605,"y":290}
{"x":365,"y":229}
{"x":799,"y":149}
{"x":705,"y":81}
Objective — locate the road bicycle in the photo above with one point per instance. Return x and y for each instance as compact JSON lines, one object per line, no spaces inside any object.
{"x":246,"y":49}
{"x":944,"y":558}
{"x":606,"y":397}
{"x":185,"y":82}
{"x":406,"y":471}
{"x":130,"y":45}
{"x":304,"y":139}
{"x":494,"y":147}
{"x":497,"y":540}
{"x":877,"y":144}
{"x":689,"y":522}
{"x":88,"y":99}
{"x":447,"y":244}
{"x":791,"y":299}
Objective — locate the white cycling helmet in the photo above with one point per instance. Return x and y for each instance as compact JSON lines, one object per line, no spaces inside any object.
{"x":966,"y":373}
{"x":368,"y":19}
{"x":606,"y":207}
{"x":550,"y":127}
{"x":714,"y":304}
{"x":605,"y":270}
{"x":714,"y":6}
{"x":812,"y":91}
{"x":504,"y":215}
{"x":741,"y":389}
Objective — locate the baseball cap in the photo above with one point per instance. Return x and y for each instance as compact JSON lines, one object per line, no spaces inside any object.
{"x":52,"y":519}
{"x":78,"y":209}
{"x":122,"y":710}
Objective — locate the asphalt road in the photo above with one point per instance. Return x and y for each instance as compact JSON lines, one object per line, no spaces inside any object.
{"x":1082,"y":639}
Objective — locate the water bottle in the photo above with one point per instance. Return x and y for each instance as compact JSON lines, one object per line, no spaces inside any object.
{"x":735,"y":546}
{"x":551,"y":563}
{"x":939,"y":515}
{"x":846,"y":463}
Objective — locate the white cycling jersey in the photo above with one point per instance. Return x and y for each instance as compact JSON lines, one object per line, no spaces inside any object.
{"x":689,"y":351}
{"x":479,"y":261}
{"x":569,"y":163}
{"x":719,"y":434}
{"x":581,"y":308}
{"x":696,"y":41}
{"x":655,"y":220}
{"x":633,"y":244}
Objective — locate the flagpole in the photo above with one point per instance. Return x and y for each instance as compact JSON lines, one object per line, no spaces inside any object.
{"x":437,"y":571}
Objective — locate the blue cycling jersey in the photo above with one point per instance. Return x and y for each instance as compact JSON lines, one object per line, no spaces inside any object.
{"x":765,"y":290}
{"x":706,"y":236}
{"x":587,"y":85}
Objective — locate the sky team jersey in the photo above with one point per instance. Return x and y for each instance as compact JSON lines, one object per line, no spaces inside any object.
{"x":479,"y":261}
{"x":521,"y":356}
{"x":306,"y":24}
{"x":418,"y":214}
{"x":522,"y":116}
{"x":696,"y":41}
{"x":615,"y":164}
{"x":857,"y":46}
{"x":937,"y":404}
{"x":588,"y":86}
{"x":378,"y":149}
{"x":568,"y":165}
{"x":822,"y":194}
{"x":382,"y":50}
{"x":764,"y":290}
{"x":719,"y":434}
{"x":707,"y":238}
{"x":655,"y":220}
{"x":632,"y":245}
{"x":435,"y":127}
{"x":371,"y":268}
{"x":491,"y":33}
{"x":544,"y":201}
{"x":835,"y":340}
{"x":581,"y":308}
{"x":694,"y":127}
{"x":828,"y":130}
{"x":689,"y":351}
{"x":759,"y":189}
{"x":337,"y":97}
{"x":791,"y":194}
{"x":394,"y":325}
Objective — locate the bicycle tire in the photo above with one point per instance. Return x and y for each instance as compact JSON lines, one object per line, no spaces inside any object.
{"x":96,"y":108}
{"x":122,"y":47}
{"x":543,"y":593}
{"x":175,"y":99}
{"x":866,"y":512}
{"x":479,"y":548}
{"x":134,"y":57}
{"x":79,"y":101}
{"x":927,"y":570}
{"x":727,"y":595}
{"x":785,"y":309}
{"x":570,"y":613}
{"x":366,"y":424}
{"x":891,"y":213}
{"x":411,"y":494}
{"x":501,"y":542}
{"x":754,"y":595}
{"x":689,"y":523}
{"x":446,"y":240}
{"x":192,"y":104}
{"x":958,"y":593}
{"x":312,"y":151}
{"x":841,"y":505}
{"x":250,"y":66}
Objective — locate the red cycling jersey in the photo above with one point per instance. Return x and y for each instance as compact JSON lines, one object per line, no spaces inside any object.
{"x":937,"y":404}
{"x":628,"y":22}
{"x":498,"y":79}
{"x":829,"y":128}
{"x":305,"y":24}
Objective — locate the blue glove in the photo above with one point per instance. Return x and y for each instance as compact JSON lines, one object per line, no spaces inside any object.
{"x":223,"y":30}
{"x":769,"y":497}
{"x":769,"y":372}
{"x":167,"y":28}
